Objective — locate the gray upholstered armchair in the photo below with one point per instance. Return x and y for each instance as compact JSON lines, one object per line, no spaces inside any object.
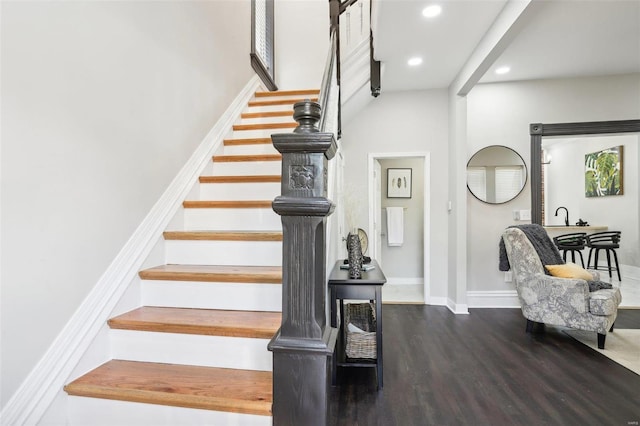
{"x":557,"y":301}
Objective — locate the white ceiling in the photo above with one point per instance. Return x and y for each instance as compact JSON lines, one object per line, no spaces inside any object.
{"x":561,"y":38}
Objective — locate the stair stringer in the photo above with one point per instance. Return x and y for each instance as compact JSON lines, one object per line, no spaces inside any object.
{"x":40,"y":397}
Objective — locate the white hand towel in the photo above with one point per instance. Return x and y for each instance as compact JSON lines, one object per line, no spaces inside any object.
{"x":395,"y":226}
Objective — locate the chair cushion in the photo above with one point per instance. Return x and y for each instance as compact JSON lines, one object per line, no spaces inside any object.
{"x":604,"y":302}
{"x":569,"y":270}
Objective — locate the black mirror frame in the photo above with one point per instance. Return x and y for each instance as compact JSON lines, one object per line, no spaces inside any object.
{"x":525,"y":175}
{"x":538,"y":130}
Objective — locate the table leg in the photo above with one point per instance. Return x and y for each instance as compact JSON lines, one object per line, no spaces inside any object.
{"x":379,"y":372}
{"x":334,"y":322}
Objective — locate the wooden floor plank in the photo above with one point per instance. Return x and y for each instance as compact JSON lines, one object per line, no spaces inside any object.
{"x":223,"y":235}
{"x":208,"y":322}
{"x":218,"y":273}
{"x":220,"y":389}
{"x":483,"y":369}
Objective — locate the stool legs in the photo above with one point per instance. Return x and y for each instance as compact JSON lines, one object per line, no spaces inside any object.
{"x":573,"y":256}
{"x":615,"y":259}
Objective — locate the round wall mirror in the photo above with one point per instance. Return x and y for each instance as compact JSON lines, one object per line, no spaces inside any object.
{"x":496,"y":174}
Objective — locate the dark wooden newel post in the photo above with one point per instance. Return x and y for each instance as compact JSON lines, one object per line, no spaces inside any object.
{"x":303,"y":347}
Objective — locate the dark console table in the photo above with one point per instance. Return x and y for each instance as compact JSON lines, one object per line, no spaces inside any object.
{"x":369,"y":287}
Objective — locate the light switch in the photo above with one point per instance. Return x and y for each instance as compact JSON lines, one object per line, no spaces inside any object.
{"x":525,"y":214}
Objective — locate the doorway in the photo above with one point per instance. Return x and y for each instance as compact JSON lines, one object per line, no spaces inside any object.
{"x":406,"y":265}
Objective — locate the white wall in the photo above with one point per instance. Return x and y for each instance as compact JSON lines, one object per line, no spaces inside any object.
{"x":401,"y":122}
{"x":500,"y":114}
{"x":302,"y":43}
{"x":564,"y":181}
{"x":406,"y":261}
{"x":102,"y":104}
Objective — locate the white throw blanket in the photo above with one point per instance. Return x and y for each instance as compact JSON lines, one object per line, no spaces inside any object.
{"x":395,"y":226}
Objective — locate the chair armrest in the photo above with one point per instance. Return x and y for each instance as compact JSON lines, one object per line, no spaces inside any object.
{"x":542,"y":291}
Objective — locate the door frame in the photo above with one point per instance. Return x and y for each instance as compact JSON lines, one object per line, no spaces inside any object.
{"x":426,"y":157}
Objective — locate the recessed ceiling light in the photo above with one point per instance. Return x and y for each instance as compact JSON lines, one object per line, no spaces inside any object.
{"x":431,"y":11}
{"x":502,"y":70}
{"x":414,"y":61}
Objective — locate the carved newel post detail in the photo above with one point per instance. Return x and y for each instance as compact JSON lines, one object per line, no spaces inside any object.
{"x":303,"y":347}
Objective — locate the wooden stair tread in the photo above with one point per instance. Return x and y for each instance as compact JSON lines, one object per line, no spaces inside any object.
{"x":209,"y":388}
{"x":247,"y":141}
{"x":216,"y":204}
{"x":208,"y":322}
{"x":280,"y":102}
{"x":214,"y":273}
{"x":266,"y":114}
{"x":240,"y":158}
{"x":264,"y":126}
{"x":223,"y":235}
{"x":287,"y":93}
{"x":241,"y":179}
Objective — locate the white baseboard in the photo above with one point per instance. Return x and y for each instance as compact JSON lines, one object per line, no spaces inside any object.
{"x":457,"y":308}
{"x":493,"y":299}
{"x":404,"y":281}
{"x":436,"y":301}
{"x":48,"y":377}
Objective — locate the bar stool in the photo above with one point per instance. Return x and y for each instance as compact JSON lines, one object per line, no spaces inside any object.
{"x":608,"y":241}
{"x":574,"y":242}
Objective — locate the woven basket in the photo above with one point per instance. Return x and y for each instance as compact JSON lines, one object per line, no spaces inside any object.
{"x":360,"y":345}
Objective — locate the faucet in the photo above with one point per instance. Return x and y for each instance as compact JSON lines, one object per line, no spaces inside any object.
{"x":566,"y":217}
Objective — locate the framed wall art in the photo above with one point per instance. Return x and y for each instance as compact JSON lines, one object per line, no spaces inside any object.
{"x":398,"y":183}
{"x":603,"y":172}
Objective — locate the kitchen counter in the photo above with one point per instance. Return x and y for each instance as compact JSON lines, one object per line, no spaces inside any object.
{"x":573,"y":228}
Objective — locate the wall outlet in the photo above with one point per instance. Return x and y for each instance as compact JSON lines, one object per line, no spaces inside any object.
{"x":508,"y":276}
{"x":522,"y":214}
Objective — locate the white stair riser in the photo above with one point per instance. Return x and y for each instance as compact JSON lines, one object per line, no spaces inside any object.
{"x":223,"y":219}
{"x":263,"y":133}
{"x":106,"y":412}
{"x":267,"y":108}
{"x":261,"y":120}
{"x":190,"y":349}
{"x":240,"y":191}
{"x":247,"y":168}
{"x":281,"y":96}
{"x":250,"y":149}
{"x":212,"y":295}
{"x":257,"y":253}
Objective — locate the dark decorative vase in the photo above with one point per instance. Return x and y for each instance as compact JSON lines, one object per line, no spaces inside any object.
{"x":354,"y":249}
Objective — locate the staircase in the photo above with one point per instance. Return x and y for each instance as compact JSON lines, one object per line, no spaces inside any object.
{"x":195,"y":351}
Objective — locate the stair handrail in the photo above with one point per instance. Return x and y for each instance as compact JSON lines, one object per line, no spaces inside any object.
{"x":330,"y":82}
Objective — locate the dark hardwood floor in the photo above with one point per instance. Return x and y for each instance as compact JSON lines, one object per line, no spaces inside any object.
{"x":483,"y":369}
